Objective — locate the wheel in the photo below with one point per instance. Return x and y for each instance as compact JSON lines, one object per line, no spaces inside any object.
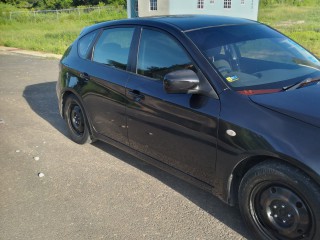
{"x":278,"y":201}
{"x":76,"y":121}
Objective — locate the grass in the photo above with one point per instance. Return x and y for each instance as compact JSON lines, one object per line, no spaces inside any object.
{"x":50,"y":32}
{"x":47,"y":37}
{"x":299,"y":23}
{"x":54,"y":33}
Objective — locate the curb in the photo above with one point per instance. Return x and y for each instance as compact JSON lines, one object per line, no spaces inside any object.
{"x":28,"y":52}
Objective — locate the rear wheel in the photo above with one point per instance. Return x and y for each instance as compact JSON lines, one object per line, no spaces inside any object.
{"x":278,"y":201}
{"x":76,"y":121}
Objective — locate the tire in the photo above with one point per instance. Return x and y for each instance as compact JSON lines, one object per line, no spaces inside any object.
{"x":278,"y":201}
{"x":76,"y":121}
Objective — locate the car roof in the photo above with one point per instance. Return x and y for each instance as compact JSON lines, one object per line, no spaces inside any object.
{"x":180,"y":22}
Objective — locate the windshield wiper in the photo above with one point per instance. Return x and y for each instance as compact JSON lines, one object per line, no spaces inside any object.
{"x":302,"y":83}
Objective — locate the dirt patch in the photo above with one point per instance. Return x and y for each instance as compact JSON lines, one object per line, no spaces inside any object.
{"x":289,"y":23}
{"x":28,"y":52}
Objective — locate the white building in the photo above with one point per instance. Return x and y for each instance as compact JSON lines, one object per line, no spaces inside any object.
{"x":235,"y":8}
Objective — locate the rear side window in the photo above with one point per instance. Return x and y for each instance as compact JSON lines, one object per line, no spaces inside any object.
{"x":85,"y":43}
{"x":113,"y":46}
{"x":159,"y":54}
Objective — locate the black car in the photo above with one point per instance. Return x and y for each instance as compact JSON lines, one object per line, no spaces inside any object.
{"x":228,"y":104}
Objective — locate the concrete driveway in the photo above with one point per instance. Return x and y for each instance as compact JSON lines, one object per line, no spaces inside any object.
{"x":89,"y":191}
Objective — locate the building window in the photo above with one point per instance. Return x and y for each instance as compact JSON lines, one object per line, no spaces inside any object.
{"x":200,"y":4}
{"x":211,"y":1}
{"x":242,"y":2}
{"x":153,"y":5}
{"x":136,"y":6}
{"x":227,"y":4}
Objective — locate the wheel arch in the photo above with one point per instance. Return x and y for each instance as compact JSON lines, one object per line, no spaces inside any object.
{"x":246,"y":164}
{"x":65,"y":95}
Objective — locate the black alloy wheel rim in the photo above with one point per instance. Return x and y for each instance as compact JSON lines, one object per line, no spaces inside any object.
{"x":77,"y":120}
{"x":280,"y":213}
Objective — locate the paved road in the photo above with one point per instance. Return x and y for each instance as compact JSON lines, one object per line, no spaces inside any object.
{"x":92,"y":191}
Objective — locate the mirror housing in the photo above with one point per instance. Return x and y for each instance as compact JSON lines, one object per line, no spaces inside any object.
{"x":181,"y":81}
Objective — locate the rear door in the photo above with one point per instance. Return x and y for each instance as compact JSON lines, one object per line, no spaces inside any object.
{"x":177,"y":129}
{"x":107,"y":76}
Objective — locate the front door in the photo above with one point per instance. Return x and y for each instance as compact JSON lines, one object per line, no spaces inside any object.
{"x":177,"y":129}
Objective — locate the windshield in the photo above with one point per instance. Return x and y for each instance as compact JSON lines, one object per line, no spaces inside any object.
{"x":255,"y":57}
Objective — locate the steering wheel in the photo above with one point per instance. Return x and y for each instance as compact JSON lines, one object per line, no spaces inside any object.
{"x":224,"y":70}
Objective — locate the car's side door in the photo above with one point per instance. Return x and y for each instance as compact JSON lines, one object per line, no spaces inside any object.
{"x":177,"y":129}
{"x":107,"y":75}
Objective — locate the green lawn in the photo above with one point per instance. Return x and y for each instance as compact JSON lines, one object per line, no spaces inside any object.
{"x":302,"y":24}
{"x":50,"y":32}
{"x":53,"y":33}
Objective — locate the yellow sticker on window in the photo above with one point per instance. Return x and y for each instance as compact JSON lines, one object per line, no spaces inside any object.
{"x":232,"y":78}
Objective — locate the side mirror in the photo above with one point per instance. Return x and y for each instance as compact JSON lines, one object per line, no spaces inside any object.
{"x":181,"y":81}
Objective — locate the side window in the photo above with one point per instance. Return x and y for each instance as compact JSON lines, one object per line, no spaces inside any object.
{"x":113,"y":47}
{"x":159,"y":54}
{"x":85,"y":43}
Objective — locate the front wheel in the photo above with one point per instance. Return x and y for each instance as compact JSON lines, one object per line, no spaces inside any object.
{"x":76,"y":121}
{"x":278,"y":201}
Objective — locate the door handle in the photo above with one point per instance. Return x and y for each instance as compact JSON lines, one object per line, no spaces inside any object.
{"x":137,"y":96}
{"x":84,"y":76}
